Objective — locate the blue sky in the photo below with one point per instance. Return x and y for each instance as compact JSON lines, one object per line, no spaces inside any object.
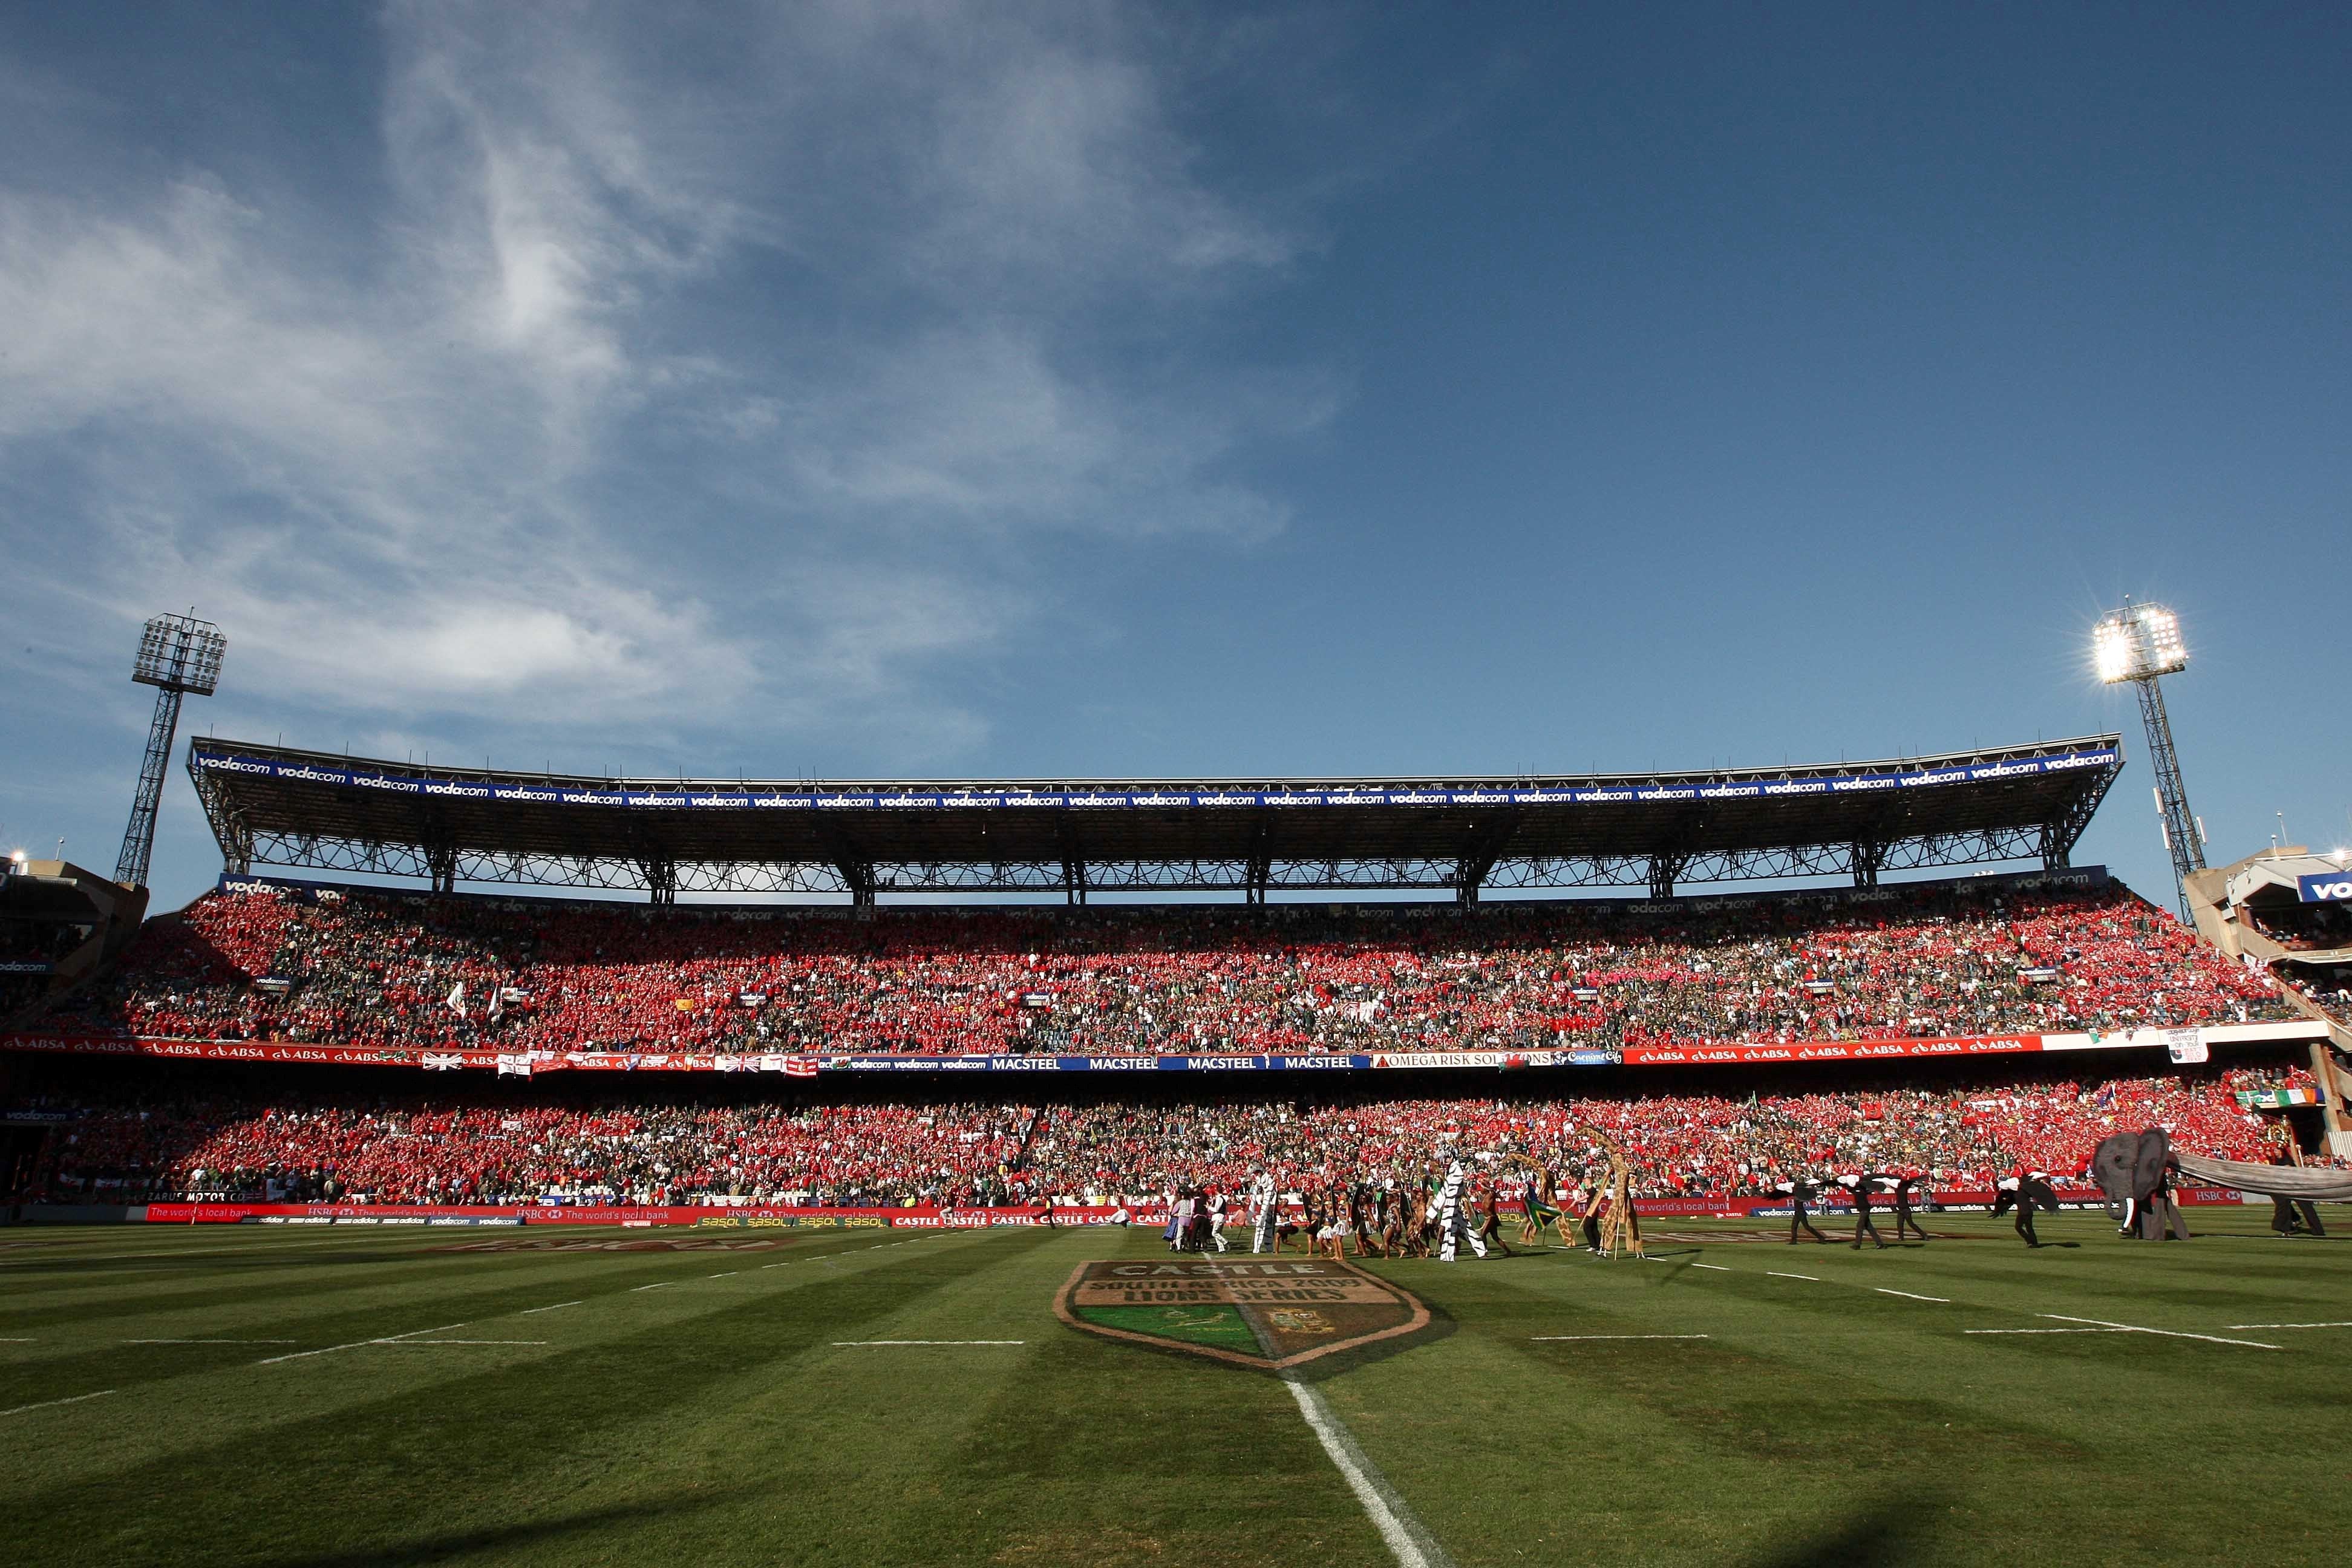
{"x":911,"y":390}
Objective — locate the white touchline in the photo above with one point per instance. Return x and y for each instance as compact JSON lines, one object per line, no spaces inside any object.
{"x":2347,"y":1325}
{"x":2045,"y":1331}
{"x":527,"y":1311}
{"x":2168,"y":1334}
{"x":1718,"y":1268}
{"x":656,"y":1285}
{"x":1907,"y":1295}
{"x":212,"y":1342}
{"x":1408,"y":1539}
{"x":728,"y":1274}
{"x":1546,"y":1338}
{"x":354,"y":1344}
{"x":50,"y":1404}
{"x":847,"y":1344}
{"x":1778,"y":1275}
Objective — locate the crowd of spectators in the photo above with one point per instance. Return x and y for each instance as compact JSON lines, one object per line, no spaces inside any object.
{"x":40,"y":940}
{"x":474,"y":1149}
{"x":376,"y":968}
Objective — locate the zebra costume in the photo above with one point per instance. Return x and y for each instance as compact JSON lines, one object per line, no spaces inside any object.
{"x":1451,"y":1210}
{"x":1264,"y":1214}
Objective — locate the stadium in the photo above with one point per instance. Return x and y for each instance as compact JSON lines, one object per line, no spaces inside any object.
{"x":1124,"y":786}
{"x":499,"y":1119}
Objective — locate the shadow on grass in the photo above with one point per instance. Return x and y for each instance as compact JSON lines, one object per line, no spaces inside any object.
{"x":1888,"y":1532}
{"x":452,"y":1543}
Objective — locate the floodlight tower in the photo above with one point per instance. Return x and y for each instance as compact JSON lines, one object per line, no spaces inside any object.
{"x":178,"y":653}
{"x":2141,"y":644}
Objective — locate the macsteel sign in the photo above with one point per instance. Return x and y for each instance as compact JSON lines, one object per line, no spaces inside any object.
{"x":687,"y":798}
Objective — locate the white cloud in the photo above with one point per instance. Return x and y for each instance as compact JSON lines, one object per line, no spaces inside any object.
{"x":668,"y":363}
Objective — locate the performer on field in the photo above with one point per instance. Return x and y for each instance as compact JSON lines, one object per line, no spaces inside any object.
{"x":2026,"y":1191}
{"x":1902,"y":1207}
{"x":1798,"y":1190}
{"x":1587,"y":1199}
{"x":1214,"y":1208}
{"x":1263,"y":1205}
{"x":1535,"y":1208}
{"x":1859,"y":1185}
{"x":1451,"y":1211}
{"x":1490,"y":1228}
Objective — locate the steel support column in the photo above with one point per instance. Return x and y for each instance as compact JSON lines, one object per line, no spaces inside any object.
{"x":2180,"y":836}
{"x":1664,"y":869}
{"x":139,"y":838}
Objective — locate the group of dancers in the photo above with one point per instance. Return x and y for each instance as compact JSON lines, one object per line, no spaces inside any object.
{"x":1443,"y":1208}
{"x":1447,"y":1207}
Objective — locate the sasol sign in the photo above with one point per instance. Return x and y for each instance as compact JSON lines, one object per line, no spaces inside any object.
{"x":2326,"y":888}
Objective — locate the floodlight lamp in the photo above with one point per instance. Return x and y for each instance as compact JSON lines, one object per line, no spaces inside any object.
{"x":2137,"y":642}
{"x":2111,"y":650}
{"x":179,"y":653}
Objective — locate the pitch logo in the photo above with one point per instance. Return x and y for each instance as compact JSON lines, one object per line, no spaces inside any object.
{"x":1271,"y":1316}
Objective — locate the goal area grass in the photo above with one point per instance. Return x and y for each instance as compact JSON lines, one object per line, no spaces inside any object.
{"x":302,"y":1397}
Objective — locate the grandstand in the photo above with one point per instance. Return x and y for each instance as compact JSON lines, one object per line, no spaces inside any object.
{"x":2023,"y":974}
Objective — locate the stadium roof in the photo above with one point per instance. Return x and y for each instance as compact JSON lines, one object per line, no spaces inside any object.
{"x":275,"y":805}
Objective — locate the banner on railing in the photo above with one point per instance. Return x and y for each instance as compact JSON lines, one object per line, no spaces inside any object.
{"x":2178,"y":1043}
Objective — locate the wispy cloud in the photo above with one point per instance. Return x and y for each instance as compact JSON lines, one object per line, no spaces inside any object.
{"x":657,"y":353}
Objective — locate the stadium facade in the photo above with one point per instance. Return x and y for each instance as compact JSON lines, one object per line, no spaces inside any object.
{"x":274,"y":806}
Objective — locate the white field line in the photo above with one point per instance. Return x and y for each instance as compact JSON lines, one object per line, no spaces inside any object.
{"x":656,"y":1285}
{"x":2346,"y":1325}
{"x":212,"y":1342}
{"x":1944,"y":1301}
{"x":52,"y":1403}
{"x":354,"y":1344}
{"x":728,"y":1274}
{"x":1778,"y":1275}
{"x":2045,"y":1331}
{"x":527,"y":1311}
{"x":1408,"y":1539}
{"x":2168,"y":1334}
{"x":1718,"y":1268}
{"x":1548,"y":1338}
{"x":16,"y":1342}
{"x":849,"y":1344}
{"x":456,"y":1341}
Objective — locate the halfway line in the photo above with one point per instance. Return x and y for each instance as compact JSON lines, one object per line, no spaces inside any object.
{"x":843,"y":1344}
{"x":456,"y":1341}
{"x":329,"y":1350}
{"x":51,"y":1403}
{"x":2289,"y":1325}
{"x":2168,"y":1334}
{"x":1544,"y":1338}
{"x":1408,"y":1539}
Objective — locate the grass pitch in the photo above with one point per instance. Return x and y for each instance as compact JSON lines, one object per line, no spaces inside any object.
{"x":307,"y":1397}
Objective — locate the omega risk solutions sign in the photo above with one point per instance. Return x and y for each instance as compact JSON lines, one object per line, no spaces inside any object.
{"x":1271,"y":1315}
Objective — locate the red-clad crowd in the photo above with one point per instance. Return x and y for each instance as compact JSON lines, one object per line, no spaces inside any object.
{"x":422,"y":1151}
{"x":373,"y":968}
